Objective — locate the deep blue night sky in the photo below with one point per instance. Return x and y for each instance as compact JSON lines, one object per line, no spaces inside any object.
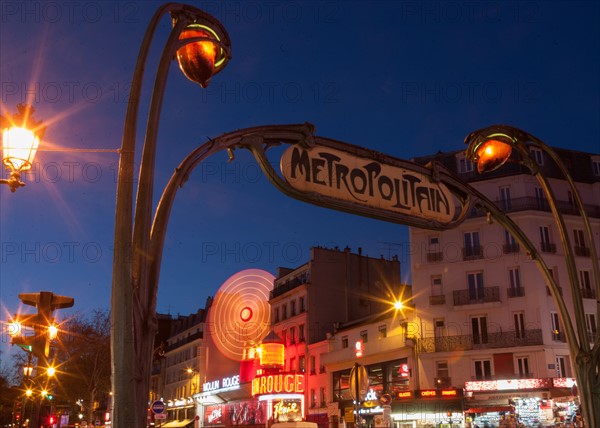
{"x":404,"y":78}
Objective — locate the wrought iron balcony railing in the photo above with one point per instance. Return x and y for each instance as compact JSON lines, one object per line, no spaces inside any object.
{"x":581,"y":251}
{"x":510,"y":248}
{"x":472,"y":253}
{"x":489,"y":341}
{"x":475,"y":296}
{"x":435,"y":256}
{"x":515,"y":292}
{"x":437,"y":300}
{"x":547,"y":247}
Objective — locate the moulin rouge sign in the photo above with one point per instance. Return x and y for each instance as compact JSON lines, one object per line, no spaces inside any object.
{"x":360,"y":180}
{"x":280,"y":383}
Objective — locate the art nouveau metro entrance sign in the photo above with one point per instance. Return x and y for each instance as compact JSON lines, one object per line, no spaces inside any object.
{"x":368,"y":182}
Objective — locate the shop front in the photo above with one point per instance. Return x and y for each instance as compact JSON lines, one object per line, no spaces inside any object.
{"x":530,"y":402}
{"x":440,"y":408}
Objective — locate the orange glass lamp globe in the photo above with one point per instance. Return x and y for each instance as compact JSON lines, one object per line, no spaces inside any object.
{"x":201,"y":59}
{"x":491,"y":155}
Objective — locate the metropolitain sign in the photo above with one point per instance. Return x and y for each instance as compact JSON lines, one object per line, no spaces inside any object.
{"x":360,"y":180}
{"x":280,"y":383}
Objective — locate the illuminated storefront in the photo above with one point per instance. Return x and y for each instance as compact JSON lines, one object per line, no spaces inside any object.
{"x":528,"y":401}
{"x":282,"y":394}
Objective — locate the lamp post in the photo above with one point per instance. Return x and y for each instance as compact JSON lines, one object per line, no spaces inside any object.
{"x":21,"y":135}
{"x":492,"y":147}
{"x":201,"y":45}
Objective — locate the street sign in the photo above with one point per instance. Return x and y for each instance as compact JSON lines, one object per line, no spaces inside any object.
{"x":159,"y":416}
{"x":157,"y":407}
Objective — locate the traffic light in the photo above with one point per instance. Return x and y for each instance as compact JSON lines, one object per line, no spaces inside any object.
{"x":42,"y":323}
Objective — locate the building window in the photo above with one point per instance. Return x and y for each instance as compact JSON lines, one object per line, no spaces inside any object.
{"x":479,"y":330}
{"x":590,"y":324}
{"x":580,"y":248}
{"x":284,"y":336}
{"x":596,"y":167}
{"x":464,"y":165}
{"x":514,"y":280}
{"x":472,"y":248}
{"x":302,"y":363}
{"x":364,"y":336}
{"x":483,"y":369}
{"x":344,"y":341}
{"x":505,"y":202}
{"x":313,"y":398}
{"x":292,"y":308}
{"x":540,"y":198}
{"x":301,"y":333}
{"x":313,"y":364}
{"x":292,"y":336}
{"x":475,"y":285}
{"x":382,"y":331}
{"x":545,"y":242}
{"x":586,"y":285}
{"x":322,"y":397}
{"x":276,"y":314}
{"x":563,"y":367}
{"x":441,"y":369}
{"x":292,"y":364}
{"x":537,"y":155}
{"x":519,"y":323}
{"x":302,"y":305}
{"x":523,"y":367}
{"x":557,"y":334}
{"x":284,"y":312}
{"x":436,"y":285}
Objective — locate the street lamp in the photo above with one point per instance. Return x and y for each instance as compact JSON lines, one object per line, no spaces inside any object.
{"x":202,"y":47}
{"x":492,"y":147}
{"x":21,"y":135}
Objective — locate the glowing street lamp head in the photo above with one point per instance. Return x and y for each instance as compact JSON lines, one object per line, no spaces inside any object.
{"x":398,"y":305}
{"x":51,"y":371}
{"x":19,"y":146}
{"x":29,"y":392}
{"x":203,"y":58}
{"x":490,"y":147}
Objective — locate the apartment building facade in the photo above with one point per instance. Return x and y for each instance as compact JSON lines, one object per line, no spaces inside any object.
{"x":486,"y":320}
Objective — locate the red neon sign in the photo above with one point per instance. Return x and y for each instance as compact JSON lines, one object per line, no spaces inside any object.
{"x":282,"y":383}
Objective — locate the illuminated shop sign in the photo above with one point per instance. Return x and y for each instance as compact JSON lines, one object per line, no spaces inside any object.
{"x":438,"y":393}
{"x":287,"y":410}
{"x":508,"y":384}
{"x":430,"y":393}
{"x":227,"y":382}
{"x":281,"y":383}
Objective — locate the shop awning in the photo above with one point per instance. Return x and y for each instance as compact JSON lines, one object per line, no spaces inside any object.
{"x":486,"y":409}
{"x":177,"y":424}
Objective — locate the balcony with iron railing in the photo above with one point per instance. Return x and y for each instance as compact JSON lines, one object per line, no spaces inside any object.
{"x":510,"y":248}
{"x":476,"y":296}
{"x":588,"y":293}
{"x":559,"y":336}
{"x":515,"y":292}
{"x":472,"y":253}
{"x":439,"y":299}
{"x":468,"y":342}
{"x":547,"y":247}
{"x":581,"y":251}
{"x":537,"y":204}
{"x":504,"y":376}
{"x":288,"y":286}
{"x":435,"y":256}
